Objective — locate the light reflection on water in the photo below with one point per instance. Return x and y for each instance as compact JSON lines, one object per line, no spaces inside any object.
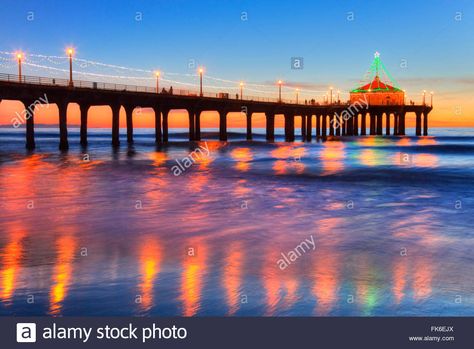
{"x":207,"y":242}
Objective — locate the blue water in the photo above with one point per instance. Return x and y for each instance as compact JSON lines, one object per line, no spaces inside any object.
{"x":99,"y":231}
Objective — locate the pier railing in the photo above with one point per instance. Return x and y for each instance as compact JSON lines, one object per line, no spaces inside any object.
{"x":38,"y":80}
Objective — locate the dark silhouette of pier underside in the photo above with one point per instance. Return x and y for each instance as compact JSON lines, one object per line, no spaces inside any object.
{"x":32,"y":90}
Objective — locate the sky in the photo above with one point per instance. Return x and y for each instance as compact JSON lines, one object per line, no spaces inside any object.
{"x":425,"y":45}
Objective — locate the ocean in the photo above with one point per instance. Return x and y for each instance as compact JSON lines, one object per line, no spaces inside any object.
{"x":99,"y":231}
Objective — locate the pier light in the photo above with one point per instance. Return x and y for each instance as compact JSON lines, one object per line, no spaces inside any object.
{"x":431,"y":95}
{"x":330,"y":100}
{"x":19,"y":57}
{"x":424,"y":96}
{"x":70,"y":53}
{"x":157,"y":74}
{"x":201,"y":72}
{"x":297,"y":94}
{"x":338,"y":95}
{"x":241,"y":89}
{"x":279,"y":90}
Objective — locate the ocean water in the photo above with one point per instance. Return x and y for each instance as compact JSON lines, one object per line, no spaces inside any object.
{"x":374,"y":226}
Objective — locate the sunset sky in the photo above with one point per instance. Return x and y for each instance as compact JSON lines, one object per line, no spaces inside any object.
{"x":424,"y":45}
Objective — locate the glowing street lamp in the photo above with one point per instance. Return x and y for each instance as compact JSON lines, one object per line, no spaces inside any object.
{"x":338,"y":93}
{"x":19,"y":56}
{"x":330,"y":101}
{"x":157,"y":74}
{"x":70,"y":52}
{"x":241,"y":89}
{"x":279,"y":90}
{"x":201,"y":71}
{"x":297,"y":93}
{"x":431,"y":93}
{"x":424,"y":95}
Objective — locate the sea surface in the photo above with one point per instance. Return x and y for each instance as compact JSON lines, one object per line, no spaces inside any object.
{"x":97,"y":231}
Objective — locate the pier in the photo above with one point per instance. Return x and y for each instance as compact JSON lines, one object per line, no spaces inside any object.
{"x":317,"y":120}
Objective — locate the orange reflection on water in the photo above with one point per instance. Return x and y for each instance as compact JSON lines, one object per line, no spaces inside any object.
{"x":425,"y":160}
{"x":243,"y":157}
{"x":327,"y":265}
{"x":194,"y":270}
{"x":11,"y":265}
{"x":426,"y":141}
{"x":288,"y":158}
{"x":62,"y":274}
{"x":271,"y":278}
{"x":399,"y":279}
{"x":371,"y":157}
{"x":332,"y":157}
{"x":422,"y":279}
{"x":232,"y":276}
{"x":150,"y":259}
{"x":403,"y":142}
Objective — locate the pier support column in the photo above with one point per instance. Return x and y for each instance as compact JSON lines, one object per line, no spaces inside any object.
{"x":396,"y":125}
{"x":418,"y":123}
{"x":309,"y":128}
{"x":337,"y":124}
{"x":63,"y":141}
{"x":350,"y":126}
{"x":270,"y":127}
{"x":129,"y":115}
{"x":318,"y":125}
{"x":303,"y":126}
{"x":387,"y":124}
{"x":158,"y":134}
{"x":372,"y":124}
{"x":30,"y":124}
{"x":344,"y":127}
{"x":84,"y":110}
{"x":165,"y":124}
{"x":222,"y":125}
{"x":425,"y":123}
{"x":115,"y":125}
{"x":331,"y":125}
{"x":402,"y":124}
{"x":249,"y":125}
{"x":197,"y":125}
{"x":355,"y":125}
{"x":290,"y":128}
{"x":191,"y":118}
{"x":379,"y":124}
{"x":363,"y":125}
{"x":324,"y":127}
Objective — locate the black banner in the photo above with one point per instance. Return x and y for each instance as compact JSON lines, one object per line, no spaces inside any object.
{"x":284,"y":332}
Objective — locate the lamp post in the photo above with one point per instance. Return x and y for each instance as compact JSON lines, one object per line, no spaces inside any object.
{"x":279,"y":90}
{"x":431,"y":93}
{"x":70,"y":52}
{"x":241,"y":89}
{"x":330,"y":100}
{"x":424,"y":95}
{"x":157,"y":74}
{"x":201,"y":71}
{"x":19,"y":56}
{"x":297,"y":93}
{"x":338,"y":93}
